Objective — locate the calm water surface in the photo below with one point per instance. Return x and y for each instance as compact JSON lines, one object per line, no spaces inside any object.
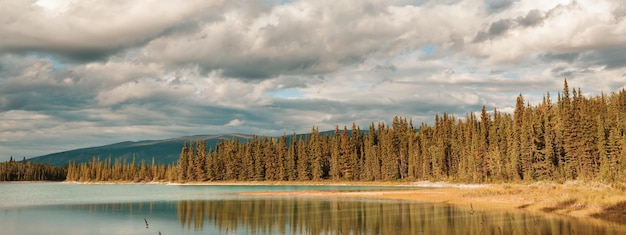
{"x":57,"y":208}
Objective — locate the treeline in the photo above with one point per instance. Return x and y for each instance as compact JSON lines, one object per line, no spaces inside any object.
{"x":381,"y":154}
{"x":107,"y":170}
{"x":576,"y":137}
{"x":30,"y":171}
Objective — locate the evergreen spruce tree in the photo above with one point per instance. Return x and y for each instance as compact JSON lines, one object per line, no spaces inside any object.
{"x":315,"y":154}
{"x":304,"y":169}
{"x":182,"y":163}
{"x":292,"y":160}
{"x":200,"y":161}
{"x":281,"y":159}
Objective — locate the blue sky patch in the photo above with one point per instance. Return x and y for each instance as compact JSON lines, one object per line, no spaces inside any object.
{"x":429,"y":49}
{"x":285,"y":94}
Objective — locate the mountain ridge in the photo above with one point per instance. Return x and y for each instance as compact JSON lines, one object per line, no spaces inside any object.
{"x":164,"y":151}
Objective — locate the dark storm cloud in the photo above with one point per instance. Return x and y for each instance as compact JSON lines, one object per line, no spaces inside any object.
{"x":533,"y":18}
{"x":194,"y":114}
{"x":42,"y":89}
{"x":495,"y":6}
{"x":496,"y":29}
{"x":565,"y":57}
{"x":384,"y":68}
{"x":499,"y":27}
{"x":481,"y":37}
{"x":571,"y":71}
{"x":502,"y":26}
{"x":69,"y":53}
{"x":612,"y":58}
{"x":264,"y":68}
{"x":42,"y":84}
{"x":580,"y":63}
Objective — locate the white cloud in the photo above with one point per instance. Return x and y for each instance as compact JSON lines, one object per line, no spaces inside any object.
{"x":235,"y":122}
{"x":85,"y":73}
{"x":568,"y":26}
{"x":88,"y":29}
{"x":313,"y":37}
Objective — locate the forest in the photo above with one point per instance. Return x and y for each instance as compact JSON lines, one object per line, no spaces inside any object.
{"x":572,"y":138}
{"x":30,"y":171}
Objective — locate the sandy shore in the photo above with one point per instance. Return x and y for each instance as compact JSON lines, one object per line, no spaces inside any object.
{"x":595,"y":202}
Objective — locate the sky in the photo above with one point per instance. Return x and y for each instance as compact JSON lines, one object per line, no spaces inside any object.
{"x":83,"y":73}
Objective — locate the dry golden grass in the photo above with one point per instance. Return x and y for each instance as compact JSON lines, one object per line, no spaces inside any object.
{"x":579,"y":199}
{"x":589,"y":200}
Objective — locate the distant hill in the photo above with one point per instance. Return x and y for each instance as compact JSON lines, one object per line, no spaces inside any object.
{"x":163,"y":151}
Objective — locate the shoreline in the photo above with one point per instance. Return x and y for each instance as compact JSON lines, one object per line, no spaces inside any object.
{"x":599,"y":202}
{"x":595,"y":202}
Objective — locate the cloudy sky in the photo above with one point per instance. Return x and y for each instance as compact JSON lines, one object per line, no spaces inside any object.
{"x":88,"y":73}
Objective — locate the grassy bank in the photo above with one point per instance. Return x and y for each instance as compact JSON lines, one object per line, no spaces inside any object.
{"x":594,"y":201}
{"x":577,"y":199}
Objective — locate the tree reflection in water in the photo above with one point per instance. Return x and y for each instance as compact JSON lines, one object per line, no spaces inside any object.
{"x":343,"y":216}
{"x":325,"y":216}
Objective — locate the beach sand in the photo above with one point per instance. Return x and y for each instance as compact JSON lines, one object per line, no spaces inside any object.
{"x":591,"y":201}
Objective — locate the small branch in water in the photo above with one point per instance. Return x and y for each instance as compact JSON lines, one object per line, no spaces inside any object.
{"x":147,"y":227}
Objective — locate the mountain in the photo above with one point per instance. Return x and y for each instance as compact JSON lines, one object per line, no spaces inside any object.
{"x":163,"y":151}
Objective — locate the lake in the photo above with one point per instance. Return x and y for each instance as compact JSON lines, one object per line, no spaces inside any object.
{"x":59,"y":208}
